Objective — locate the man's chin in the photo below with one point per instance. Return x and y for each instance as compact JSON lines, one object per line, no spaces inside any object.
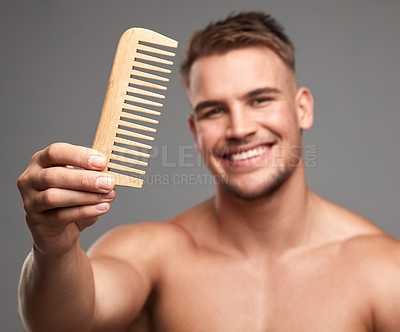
{"x":245,"y":193}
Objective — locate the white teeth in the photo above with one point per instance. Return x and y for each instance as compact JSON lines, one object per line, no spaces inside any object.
{"x":248,"y":154}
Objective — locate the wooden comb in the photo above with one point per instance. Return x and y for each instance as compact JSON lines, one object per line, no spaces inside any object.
{"x":120,"y":131}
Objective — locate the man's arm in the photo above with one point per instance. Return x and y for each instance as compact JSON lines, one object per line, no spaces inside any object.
{"x":386,"y":288}
{"x":60,"y":288}
{"x":56,"y":292}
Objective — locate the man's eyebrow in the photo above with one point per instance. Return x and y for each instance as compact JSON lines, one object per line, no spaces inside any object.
{"x":211,"y":103}
{"x":260,"y":91}
{"x":206,"y":104}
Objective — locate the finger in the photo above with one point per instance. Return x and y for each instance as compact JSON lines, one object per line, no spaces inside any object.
{"x":61,"y":154}
{"x":53,"y":198}
{"x":75,"y":179}
{"x":60,"y":218}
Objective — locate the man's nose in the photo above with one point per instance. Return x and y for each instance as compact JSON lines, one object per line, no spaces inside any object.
{"x":240,"y":124}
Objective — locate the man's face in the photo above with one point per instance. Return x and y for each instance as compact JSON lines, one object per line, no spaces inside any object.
{"x":247,"y":121}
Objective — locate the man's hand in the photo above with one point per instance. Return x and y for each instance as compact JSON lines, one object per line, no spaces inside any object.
{"x":60,"y":200}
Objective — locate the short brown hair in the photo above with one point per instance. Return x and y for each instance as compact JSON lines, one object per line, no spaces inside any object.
{"x":238,"y":31}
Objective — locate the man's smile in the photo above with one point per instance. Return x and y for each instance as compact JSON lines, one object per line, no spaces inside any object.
{"x":246,"y":155}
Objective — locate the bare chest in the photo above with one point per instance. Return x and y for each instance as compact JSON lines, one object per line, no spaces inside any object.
{"x":226,"y":296}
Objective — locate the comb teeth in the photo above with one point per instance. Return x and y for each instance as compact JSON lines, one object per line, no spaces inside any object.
{"x":124,"y":123}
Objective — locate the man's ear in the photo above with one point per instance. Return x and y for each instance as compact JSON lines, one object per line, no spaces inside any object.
{"x":193,"y":130}
{"x":305,"y":108}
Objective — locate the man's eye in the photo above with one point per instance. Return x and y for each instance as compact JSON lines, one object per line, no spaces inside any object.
{"x":260,"y":101}
{"x":214,"y":111}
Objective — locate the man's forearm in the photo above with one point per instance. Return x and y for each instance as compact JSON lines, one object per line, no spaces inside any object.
{"x":57,"y":293}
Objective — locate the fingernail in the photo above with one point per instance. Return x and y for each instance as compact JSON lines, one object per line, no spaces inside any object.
{"x":102,"y":207}
{"x":108,"y":195}
{"x":104,"y":182}
{"x":97,"y":161}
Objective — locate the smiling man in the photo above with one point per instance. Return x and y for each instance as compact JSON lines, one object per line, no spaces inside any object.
{"x":264,"y":254}
{"x":248,"y":117}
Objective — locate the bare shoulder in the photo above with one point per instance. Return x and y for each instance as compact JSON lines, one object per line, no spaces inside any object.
{"x":372,"y":258}
{"x":376,"y":250}
{"x":144,"y":238}
{"x":150,"y":243}
{"x":128,"y":262}
{"x":363,"y":238}
{"x":362,"y":245}
{"x":149,"y":238}
{"x":376,"y":259}
{"x":360,"y":238}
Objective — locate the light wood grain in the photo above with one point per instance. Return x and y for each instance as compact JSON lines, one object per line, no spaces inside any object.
{"x":142,"y":101}
{"x":138,"y":118}
{"x":135,"y":81}
{"x":128,"y":160}
{"x":141,"y":109}
{"x":132,"y":67}
{"x":127,"y":142}
{"x":149,"y":76}
{"x":131,"y":89}
{"x":136,"y":126}
{"x":118,"y":148}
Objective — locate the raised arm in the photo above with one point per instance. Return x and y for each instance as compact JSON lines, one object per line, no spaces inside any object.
{"x":60,"y":287}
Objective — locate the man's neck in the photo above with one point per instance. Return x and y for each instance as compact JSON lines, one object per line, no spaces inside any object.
{"x":277,"y":223}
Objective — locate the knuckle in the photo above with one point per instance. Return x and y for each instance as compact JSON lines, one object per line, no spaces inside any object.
{"x":51,"y":151}
{"x":22,"y":181}
{"x":47,"y":177}
{"x":25,"y":178}
{"x":28,"y":206}
{"x":36,"y":156}
{"x":49,"y":198}
{"x":23,"y":187}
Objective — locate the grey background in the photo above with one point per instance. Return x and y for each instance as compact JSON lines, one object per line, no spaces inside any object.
{"x":56,"y":57}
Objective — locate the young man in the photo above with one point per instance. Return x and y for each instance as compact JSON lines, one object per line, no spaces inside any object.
{"x":263,"y":254}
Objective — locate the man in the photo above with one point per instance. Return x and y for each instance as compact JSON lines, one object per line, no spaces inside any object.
{"x":264,"y":254}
